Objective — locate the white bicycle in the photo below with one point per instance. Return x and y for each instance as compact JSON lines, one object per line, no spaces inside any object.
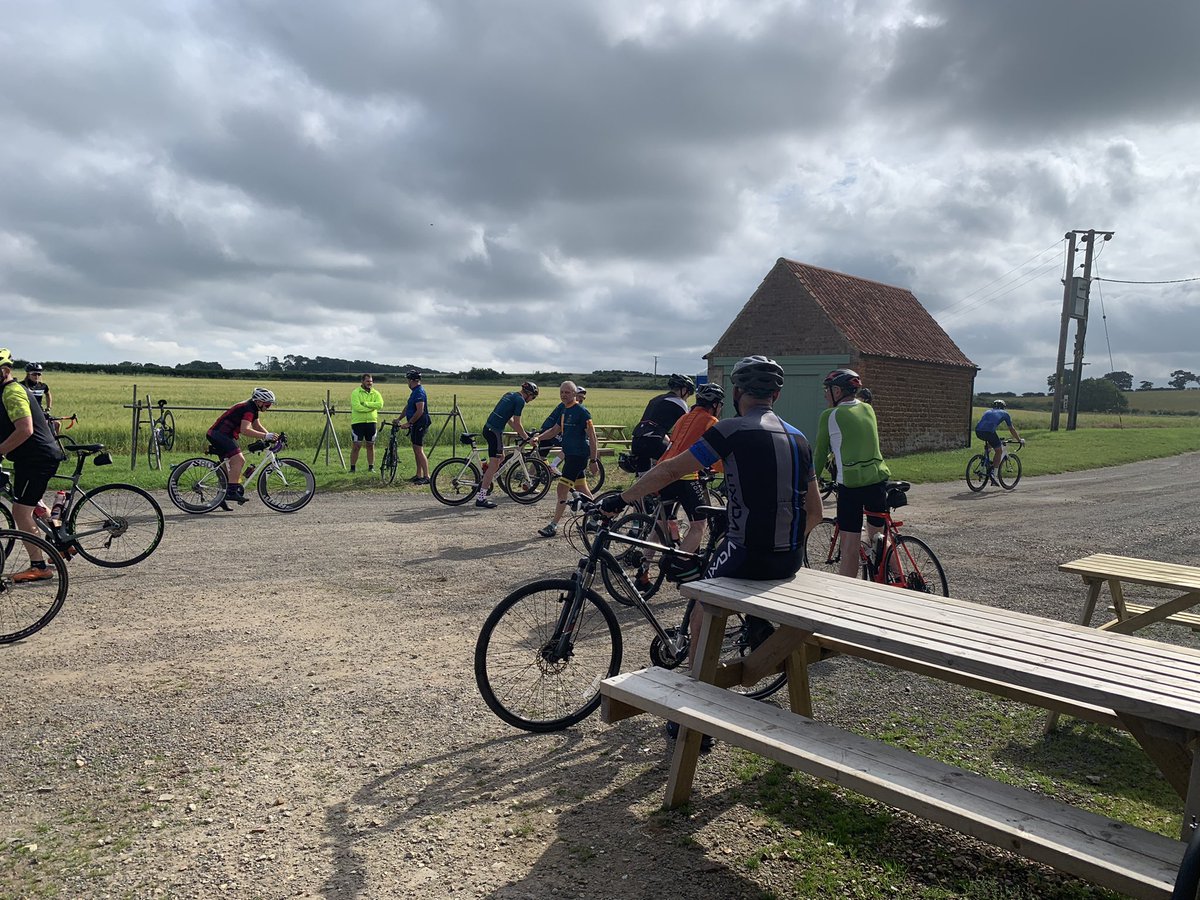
{"x":199,"y":485}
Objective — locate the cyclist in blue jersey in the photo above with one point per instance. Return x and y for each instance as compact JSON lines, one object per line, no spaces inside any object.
{"x":417,"y":422}
{"x":507,"y":411}
{"x":986,"y":429}
{"x":579,"y":450}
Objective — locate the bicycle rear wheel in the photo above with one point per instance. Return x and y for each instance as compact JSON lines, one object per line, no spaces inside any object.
{"x":197,"y":485}
{"x":638,"y":563}
{"x":977,"y":473}
{"x":154,"y":450}
{"x":735,"y":645}
{"x":919,"y":568}
{"x":1010,"y":472}
{"x":27,"y":606}
{"x":116,"y":525}
{"x":520,"y":676}
{"x":527,"y":480}
{"x":594,"y":482}
{"x":822,"y":549}
{"x":286,"y":486}
{"x":455,"y":481}
{"x":167,"y":438}
{"x":7,"y":522}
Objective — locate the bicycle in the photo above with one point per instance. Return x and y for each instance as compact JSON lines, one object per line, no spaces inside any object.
{"x":28,"y":606}
{"x":980,"y":468}
{"x":391,"y":456}
{"x":896,"y":559}
{"x":827,"y":484}
{"x":113,"y":525}
{"x":544,"y":649}
{"x":162,"y":436}
{"x":522,"y":475}
{"x":199,"y":485}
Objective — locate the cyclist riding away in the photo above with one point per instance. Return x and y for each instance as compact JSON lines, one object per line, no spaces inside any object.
{"x":774,"y":500}
{"x":27,"y":439}
{"x":224,"y":434}
{"x":986,"y":429}
{"x":849,"y":430}
{"x":687,"y":491}
{"x":579,"y":450}
{"x":38,"y":389}
{"x":650,"y":439}
{"x":417,"y":422}
{"x":507,"y":411}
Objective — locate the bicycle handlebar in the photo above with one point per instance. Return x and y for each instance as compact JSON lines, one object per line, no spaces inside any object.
{"x":72,"y":418}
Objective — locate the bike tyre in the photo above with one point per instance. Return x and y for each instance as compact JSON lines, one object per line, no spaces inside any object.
{"x":154,"y":451}
{"x":529,"y":485}
{"x":123,"y":507}
{"x":286,"y":497}
{"x":389,"y":464}
{"x":925,"y":573}
{"x":192,"y":495}
{"x":1010,"y":472}
{"x":594,"y":482}
{"x":7,"y":523}
{"x":41,"y":603}
{"x":513,"y":677}
{"x":977,"y":473}
{"x":446,"y":482}
{"x":822,"y":551}
{"x":734,"y":646}
{"x":168,"y":431}
{"x":632,"y":559}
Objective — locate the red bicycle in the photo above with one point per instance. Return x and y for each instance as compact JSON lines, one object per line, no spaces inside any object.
{"x":895,"y":558}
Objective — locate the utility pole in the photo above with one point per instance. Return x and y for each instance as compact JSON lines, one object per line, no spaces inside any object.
{"x":1075,"y":306}
{"x":656,"y":367}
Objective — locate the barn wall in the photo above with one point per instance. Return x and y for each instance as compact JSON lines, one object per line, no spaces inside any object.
{"x":920,"y":406}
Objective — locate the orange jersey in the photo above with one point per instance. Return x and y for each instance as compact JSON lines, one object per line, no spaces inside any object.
{"x":687,"y":431}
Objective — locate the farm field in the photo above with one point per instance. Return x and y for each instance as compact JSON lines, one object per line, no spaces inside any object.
{"x":305,"y":722}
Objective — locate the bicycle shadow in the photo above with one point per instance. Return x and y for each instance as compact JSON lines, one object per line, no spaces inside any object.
{"x":461,"y":554}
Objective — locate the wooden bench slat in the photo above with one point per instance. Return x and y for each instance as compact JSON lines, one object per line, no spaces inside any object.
{"x":1108,"y":853}
{"x":1137,"y":571}
{"x":1191,"y":620}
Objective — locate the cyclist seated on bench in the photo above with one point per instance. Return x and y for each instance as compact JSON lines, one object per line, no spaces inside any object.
{"x":986,"y":429}
{"x":774,"y":500}
{"x":849,"y":431}
{"x":687,"y":491}
{"x":224,"y":434}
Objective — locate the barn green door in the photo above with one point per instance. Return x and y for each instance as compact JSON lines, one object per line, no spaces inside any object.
{"x":802,"y":399}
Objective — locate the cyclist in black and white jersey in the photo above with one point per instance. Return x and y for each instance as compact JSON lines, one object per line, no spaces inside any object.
{"x":651,"y":434}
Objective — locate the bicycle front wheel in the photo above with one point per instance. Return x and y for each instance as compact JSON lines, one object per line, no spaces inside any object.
{"x":1010,"y":472}
{"x":455,"y":481}
{"x":154,"y":450}
{"x":287,"y":485}
{"x":197,"y":485}
{"x":822,"y":548}
{"x":9,"y":524}
{"x":520,"y":673}
{"x":167,"y":437}
{"x":639,"y":564}
{"x":527,"y":480}
{"x":917,"y":566}
{"x":389,"y":464}
{"x":28,"y":604}
{"x":116,"y":525}
{"x":977,"y":473}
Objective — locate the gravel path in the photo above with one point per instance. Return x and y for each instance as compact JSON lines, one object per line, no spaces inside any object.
{"x":276,"y":706}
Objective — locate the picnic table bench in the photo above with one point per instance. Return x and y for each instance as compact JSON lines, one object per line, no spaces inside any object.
{"x":609,"y":438}
{"x":1147,"y":687}
{"x":1100,"y":569}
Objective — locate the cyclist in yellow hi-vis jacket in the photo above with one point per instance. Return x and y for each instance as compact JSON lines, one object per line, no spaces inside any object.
{"x":365,"y":404}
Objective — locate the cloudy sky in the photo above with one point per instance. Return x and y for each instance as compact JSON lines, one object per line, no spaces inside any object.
{"x":588,"y":184}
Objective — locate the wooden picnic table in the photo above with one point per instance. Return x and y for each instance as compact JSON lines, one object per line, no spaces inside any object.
{"x":609,"y":438}
{"x":1145,"y":686}
{"x":1100,"y":569}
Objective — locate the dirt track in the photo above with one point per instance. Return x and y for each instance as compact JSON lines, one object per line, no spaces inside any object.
{"x":277,"y":706}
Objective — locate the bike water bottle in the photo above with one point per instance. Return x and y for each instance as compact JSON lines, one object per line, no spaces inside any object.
{"x":56,"y":511}
{"x":249,"y":471}
{"x":878,"y":552}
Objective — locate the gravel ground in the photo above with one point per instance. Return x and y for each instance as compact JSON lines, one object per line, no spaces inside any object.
{"x":276,"y":706}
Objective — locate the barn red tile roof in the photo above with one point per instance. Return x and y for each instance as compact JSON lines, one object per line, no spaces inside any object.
{"x":878,"y":319}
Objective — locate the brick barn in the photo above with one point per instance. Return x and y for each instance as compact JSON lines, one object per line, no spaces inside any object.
{"x":813,"y":320}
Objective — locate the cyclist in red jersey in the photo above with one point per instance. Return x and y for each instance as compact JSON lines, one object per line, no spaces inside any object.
{"x":224,"y":434}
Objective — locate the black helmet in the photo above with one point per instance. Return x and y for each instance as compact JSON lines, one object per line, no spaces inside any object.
{"x":529,"y":387}
{"x":757,"y":375}
{"x":413,"y":374}
{"x":710,"y":394}
{"x":677,"y":382}
{"x":846,"y":379}
{"x":33,"y":367}
{"x":999,"y":404}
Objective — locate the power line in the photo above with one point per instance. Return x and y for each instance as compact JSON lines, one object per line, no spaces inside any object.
{"x":951,"y":308}
{"x":1025,"y":279}
{"x":1171,"y":281}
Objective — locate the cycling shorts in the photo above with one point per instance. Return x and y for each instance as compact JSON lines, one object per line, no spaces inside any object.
{"x":361,"y":432}
{"x":30,"y":480}
{"x":735,"y":561}
{"x":226,"y":446}
{"x":417,"y":434}
{"x":852,"y":501}
{"x":688,"y":494}
{"x":989,"y":437}
{"x":495,"y":442}
{"x":573,"y":468}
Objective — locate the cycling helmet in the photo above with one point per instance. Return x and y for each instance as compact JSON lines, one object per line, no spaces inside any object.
{"x":262,"y":395}
{"x":999,"y":404}
{"x":529,"y":387}
{"x":676,"y":382}
{"x":580,"y":391}
{"x":865,"y":395}
{"x":757,"y":376}
{"x":33,"y":367}
{"x":710,"y":394}
{"x":5,"y":357}
{"x":413,"y":375}
{"x":846,"y":379}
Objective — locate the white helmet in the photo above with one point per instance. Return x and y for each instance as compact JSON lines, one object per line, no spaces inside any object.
{"x":262,"y":395}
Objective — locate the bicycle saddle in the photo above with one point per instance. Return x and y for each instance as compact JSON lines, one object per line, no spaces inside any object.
{"x":85,"y":449}
{"x":901,"y":486}
{"x":467,"y":437}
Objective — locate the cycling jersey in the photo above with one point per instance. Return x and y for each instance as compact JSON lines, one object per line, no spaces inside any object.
{"x":686,"y":432}
{"x":40,"y":447}
{"x":993,"y":419}
{"x":38,"y":390}
{"x":574,"y":432}
{"x":650,"y":434}
{"x":230,"y":422}
{"x":768,"y":467}
{"x":510,"y":405}
{"x":849,"y":431}
{"x":417,"y":395}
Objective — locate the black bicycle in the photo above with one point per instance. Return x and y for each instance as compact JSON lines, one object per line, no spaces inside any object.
{"x":391,"y":456}
{"x":28,"y":604}
{"x":545,"y":648}
{"x":162,"y":436}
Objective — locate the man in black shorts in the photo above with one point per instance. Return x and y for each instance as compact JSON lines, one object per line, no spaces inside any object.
{"x":651,"y":434}
{"x":416,"y":422}
{"x":507,"y":412}
{"x":228,"y":428}
{"x":774,"y":500}
{"x":27,"y":439}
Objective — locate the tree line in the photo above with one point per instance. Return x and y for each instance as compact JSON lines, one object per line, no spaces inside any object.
{"x":1179,"y":380}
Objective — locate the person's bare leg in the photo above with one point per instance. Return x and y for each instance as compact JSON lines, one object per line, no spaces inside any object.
{"x":850,"y":561}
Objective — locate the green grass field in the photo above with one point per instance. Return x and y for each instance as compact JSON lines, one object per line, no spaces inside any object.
{"x":102,"y":403}
{"x":1141,"y":403}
